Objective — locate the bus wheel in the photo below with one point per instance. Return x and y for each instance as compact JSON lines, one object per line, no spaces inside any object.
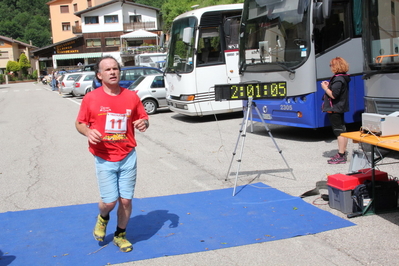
{"x":150,"y":106}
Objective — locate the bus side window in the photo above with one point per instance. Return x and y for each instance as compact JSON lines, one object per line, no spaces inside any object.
{"x":209,"y":50}
{"x":332,"y":32}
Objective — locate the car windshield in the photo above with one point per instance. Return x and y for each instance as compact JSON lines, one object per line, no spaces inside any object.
{"x":136,"y":83}
{"x":89,"y":77}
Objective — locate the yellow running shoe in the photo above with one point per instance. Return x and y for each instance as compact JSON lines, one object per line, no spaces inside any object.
{"x":123,"y":244}
{"x":100,"y":228}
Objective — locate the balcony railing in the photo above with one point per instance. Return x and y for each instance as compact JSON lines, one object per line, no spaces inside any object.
{"x":150,"y":25}
{"x":76,"y":29}
{"x":133,"y":50}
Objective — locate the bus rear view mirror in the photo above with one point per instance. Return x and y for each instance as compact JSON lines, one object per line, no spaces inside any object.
{"x":326,"y":8}
{"x":226,"y":26}
{"x":318,"y":13}
{"x":187,"y":35}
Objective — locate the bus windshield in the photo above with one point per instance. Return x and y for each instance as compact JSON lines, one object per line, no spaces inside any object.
{"x":276,"y":35}
{"x":181,"y":46}
{"x":381,"y":36}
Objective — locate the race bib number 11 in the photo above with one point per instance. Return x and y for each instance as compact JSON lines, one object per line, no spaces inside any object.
{"x":115,"y":123}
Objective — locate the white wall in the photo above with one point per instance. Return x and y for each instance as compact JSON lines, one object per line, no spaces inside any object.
{"x":123,"y":13}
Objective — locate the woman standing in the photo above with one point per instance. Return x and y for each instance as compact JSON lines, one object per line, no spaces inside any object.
{"x":336,"y":103}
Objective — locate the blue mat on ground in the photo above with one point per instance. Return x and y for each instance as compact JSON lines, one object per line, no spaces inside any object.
{"x":161,"y":226}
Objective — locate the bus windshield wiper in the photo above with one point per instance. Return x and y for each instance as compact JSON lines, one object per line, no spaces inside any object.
{"x":285,"y":67}
{"x":170,"y":70}
{"x":242,"y":68}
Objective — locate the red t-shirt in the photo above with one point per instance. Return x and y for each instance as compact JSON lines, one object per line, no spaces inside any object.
{"x":113,"y":117}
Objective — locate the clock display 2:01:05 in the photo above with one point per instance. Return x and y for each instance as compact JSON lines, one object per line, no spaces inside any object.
{"x":258,"y":90}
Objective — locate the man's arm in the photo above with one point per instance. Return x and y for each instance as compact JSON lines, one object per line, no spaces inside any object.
{"x":93,"y":135}
{"x":141,"y":124}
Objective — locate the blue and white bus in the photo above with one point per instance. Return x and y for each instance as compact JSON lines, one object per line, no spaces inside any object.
{"x":288,"y":44}
{"x":381,"y":47}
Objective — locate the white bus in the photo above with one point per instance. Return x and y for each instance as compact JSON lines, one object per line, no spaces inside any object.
{"x":203,"y":51}
{"x":381,"y":47}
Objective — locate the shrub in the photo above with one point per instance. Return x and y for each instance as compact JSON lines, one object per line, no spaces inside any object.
{"x":12,"y":66}
{"x":11,"y":78}
{"x":2,"y":80}
{"x":34,"y":74}
{"x":24,"y":64}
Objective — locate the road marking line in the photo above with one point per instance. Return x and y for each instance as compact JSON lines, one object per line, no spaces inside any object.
{"x":73,"y":101}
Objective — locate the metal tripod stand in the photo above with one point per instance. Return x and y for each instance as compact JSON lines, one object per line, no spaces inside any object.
{"x":242,"y":134}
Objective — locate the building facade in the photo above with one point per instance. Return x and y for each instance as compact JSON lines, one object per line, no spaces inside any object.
{"x":117,"y":28}
{"x":64,"y":23}
{"x":10,"y":50}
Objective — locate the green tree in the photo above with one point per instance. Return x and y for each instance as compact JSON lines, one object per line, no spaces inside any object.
{"x":20,"y":18}
{"x":154,"y":3}
{"x":35,"y":32}
{"x":172,"y":8}
{"x":24,"y":64}
{"x":12,"y":66}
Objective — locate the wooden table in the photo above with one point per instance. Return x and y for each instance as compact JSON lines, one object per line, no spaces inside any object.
{"x":389,"y":142}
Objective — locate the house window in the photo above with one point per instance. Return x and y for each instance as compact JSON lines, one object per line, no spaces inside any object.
{"x":135,"y":43}
{"x":4,"y":55}
{"x":112,"y":41}
{"x":2,"y":43}
{"x":88,"y":3}
{"x":93,"y":43}
{"x":64,"y":9}
{"x":75,"y":7}
{"x":66,"y":26}
{"x":111,"y":19}
{"x":135,"y":18}
{"x":91,"y":20}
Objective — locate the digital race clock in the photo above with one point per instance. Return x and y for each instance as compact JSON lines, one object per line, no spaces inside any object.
{"x":255,"y":90}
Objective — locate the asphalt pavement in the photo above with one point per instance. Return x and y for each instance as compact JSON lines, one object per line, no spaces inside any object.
{"x":45,"y":163}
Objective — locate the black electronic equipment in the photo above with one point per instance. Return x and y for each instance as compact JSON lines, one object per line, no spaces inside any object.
{"x":243,"y":91}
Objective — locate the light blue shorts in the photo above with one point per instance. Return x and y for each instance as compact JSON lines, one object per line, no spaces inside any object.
{"x":116,"y":179}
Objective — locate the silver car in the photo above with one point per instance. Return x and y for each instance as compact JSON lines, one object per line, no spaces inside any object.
{"x":83,"y":84}
{"x":151,"y":90}
{"x":66,"y":82}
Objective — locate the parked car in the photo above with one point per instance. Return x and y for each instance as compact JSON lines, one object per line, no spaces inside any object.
{"x":89,"y":67}
{"x":130,"y":74}
{"x":151,"y":90}
{"x":82,"y":85}
{"x":66,"y":82}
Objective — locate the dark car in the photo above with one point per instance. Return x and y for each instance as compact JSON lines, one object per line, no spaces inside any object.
{"x":130,"y":75}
